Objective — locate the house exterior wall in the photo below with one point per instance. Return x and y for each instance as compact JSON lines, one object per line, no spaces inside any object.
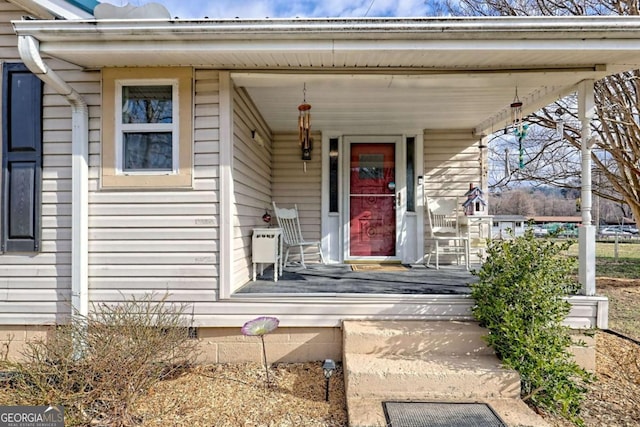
{"x":137,"y":241}
{"x":163,"y":240}
{"x":292,"y":184}
{"x":451,"y":163}
{"x":35,"y":288}
{"x":251,"y":180}
{"x":285,"y":345}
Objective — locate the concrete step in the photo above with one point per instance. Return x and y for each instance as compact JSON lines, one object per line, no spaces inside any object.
{"x":514,"y":412}
{"x":426,"y":361}
{"x":439,"y":377}
{"x":414,"y":338}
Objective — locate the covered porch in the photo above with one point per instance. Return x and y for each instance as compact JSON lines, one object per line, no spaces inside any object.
{"x":428,"y":91}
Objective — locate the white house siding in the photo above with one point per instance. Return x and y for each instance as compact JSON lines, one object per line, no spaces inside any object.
{"x":35,"y":288}
{"x":164,"y":240}
{"x":251,"y":181}
{"x":293,"y":185}
{"x":451,"y":163}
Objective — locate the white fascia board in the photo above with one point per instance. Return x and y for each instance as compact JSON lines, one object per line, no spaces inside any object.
{"x":68,"y":40}
{"x":469,"y":30}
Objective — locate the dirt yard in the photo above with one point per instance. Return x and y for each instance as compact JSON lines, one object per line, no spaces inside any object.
{"x":236,"y":395}
{"x":614,"y":399}
{"x":624,"y":304}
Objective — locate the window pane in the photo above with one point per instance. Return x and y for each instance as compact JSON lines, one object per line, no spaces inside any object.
{"x":333,"y":175}
{"x":411,"y":175}
{"x":147,"y":104}
{"x":371,"y":166}
{"x":148,"y":151}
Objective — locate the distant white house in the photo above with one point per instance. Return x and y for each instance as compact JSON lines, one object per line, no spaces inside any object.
{"x":505,"y":225}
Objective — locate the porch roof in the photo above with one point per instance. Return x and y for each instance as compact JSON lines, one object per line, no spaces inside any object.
{"x":377,"y":74}
{"x":51,"y":9}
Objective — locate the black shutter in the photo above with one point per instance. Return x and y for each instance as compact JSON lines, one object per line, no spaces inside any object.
{"x":21,"y":159}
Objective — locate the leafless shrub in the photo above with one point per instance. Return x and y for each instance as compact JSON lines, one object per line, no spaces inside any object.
{"x":100,"y":366}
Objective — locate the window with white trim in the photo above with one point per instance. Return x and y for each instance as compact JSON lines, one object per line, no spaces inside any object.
{"x":147,"y":128}
{"x":147,"y":132}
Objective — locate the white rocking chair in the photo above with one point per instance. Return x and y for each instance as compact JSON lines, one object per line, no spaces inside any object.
{"x":289,"y":222}
{"x":444,"y":230}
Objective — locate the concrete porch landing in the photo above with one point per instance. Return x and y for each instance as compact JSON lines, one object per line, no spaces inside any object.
{"x":425,"y":361}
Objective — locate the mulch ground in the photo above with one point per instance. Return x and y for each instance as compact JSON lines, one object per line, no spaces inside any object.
{"x":614,"y":399}
{"x":237,"y":395}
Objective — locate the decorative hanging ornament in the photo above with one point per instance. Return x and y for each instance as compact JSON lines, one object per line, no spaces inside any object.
{"x":304,"y":127}
{"x":519,"y":127}
{"x":516,"y":113}
{"x":560,"y":122}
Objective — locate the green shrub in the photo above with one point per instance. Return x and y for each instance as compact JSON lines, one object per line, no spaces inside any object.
{"x":520,"y":298}
{"x":99,"y":367}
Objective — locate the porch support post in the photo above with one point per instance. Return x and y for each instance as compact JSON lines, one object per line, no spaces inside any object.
{"x":587,"y":232}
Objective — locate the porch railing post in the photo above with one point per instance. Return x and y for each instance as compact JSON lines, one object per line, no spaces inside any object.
{"x":587,"y":232}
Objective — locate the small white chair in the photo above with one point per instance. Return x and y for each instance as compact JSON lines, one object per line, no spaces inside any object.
{"x":444,"y":230}
{"x":289,"y":222}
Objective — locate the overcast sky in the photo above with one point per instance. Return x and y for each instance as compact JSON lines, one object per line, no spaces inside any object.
{"x":246,"y":9}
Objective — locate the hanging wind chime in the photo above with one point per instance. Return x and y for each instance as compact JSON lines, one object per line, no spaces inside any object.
{"x":304,"y":128}
{"x":519,"y":127}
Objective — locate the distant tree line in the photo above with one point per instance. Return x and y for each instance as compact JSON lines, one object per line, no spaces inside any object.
{"x":549,"y":201}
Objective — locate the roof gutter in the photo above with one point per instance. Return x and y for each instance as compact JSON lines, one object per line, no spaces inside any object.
{"x":29,"y":49}
{"x":460,"y":28}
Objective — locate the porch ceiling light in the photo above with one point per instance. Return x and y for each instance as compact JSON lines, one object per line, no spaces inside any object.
{"x":304,"y":126}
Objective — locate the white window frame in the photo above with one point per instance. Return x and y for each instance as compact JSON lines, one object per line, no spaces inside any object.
{"x":173,"y":127}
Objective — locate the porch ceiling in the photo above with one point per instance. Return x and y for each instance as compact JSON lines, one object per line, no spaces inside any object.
{"x":392,"y":103}
{"x":368,"y":75}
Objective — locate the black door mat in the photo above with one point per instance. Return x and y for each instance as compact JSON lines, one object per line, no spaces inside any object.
{"x":439,"y":414}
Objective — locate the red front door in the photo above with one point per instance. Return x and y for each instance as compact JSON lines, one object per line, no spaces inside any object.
{"x":372,"y":222}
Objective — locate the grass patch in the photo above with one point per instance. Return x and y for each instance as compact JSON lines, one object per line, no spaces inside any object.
{"x":624,"y":306}
{"x":627,"y":266}
{"x":619,"y":280}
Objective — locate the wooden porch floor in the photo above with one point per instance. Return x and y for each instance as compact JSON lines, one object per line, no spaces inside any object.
{"x":341,"y":279}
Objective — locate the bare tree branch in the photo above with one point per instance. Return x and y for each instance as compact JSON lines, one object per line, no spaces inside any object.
{"x":616,"y":155}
